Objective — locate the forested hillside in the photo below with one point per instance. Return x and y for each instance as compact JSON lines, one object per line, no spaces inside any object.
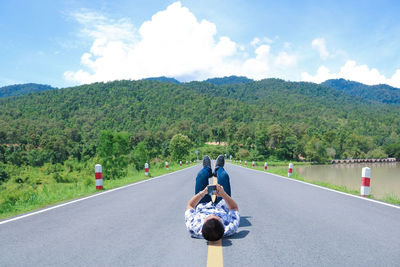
{"x":163,"y":79}
{"x":268,"y":118}
{"x":382,"y":92}
{"x":23,"y":89}
{"x":229,"y":80}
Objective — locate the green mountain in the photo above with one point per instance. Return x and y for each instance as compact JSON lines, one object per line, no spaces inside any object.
{"x":229,"y":80}
{"x":23,"y":89}
{"x":381,"y":93}
{"x":163,"y":79}
{"x":259,"y":119}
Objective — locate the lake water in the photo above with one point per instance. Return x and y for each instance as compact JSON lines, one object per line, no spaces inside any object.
{"x":385,"y":177}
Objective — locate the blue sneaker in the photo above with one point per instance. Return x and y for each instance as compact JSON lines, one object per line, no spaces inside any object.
{"x":220,"y":162}
{"x":207,"y":161}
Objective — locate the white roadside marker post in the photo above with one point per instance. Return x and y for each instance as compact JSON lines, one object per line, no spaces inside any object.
{"x":265,"y":166}
{"x":146,"y":169}
{"x":98,"y":174}
{"x":365,"y":181}
{"x":290,"y":171}
{"x":166,"y":165}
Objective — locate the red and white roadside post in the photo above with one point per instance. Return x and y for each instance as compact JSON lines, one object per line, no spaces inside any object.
{"x":253,"y":164}
{"x":146,"y":169}
{"x":265,"y":166}
{"x":187,"y":163}
{"x":365,"y":181}
{"x":245,"y":163}
{"x":290,"y":171}
{"x":180,"y":163}
{"x":240,"y":162}
{"x":98,"y":174}
{"x":166,"y":165}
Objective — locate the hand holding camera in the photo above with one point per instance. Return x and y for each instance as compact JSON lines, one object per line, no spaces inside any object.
{"x":216,"y":189}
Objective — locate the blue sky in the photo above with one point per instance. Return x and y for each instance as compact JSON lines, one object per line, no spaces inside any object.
{"x":65,"y":43}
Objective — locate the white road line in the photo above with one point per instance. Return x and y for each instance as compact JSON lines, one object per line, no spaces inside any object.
{"x":91,"y":196}
{"x":325,"y":188}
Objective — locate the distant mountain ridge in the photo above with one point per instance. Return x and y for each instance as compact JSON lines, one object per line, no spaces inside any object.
{"x":164,"y":79}
{"x":217,"y":81}
{"x":381,"y":93}
{"x":229,"y":80}
{"x":23,"y":89}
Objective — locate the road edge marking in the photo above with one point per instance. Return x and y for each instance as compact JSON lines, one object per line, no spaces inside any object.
{"x":215,"y":257}
{"x":321,"y":187}
{"x":214,"y":197}
{"x":18,"y":217}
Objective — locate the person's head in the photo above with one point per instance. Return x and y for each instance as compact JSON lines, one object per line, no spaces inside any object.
{"x":213,"y":229}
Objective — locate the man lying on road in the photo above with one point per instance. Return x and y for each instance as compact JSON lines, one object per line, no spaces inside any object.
{"x":211,"y":220}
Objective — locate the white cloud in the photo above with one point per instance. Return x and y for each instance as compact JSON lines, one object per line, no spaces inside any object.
{"x":286,"y":60}
{"x":96,"y":25}
{"x":320,"y":46}
{"x":174,"y":44}
{"x":351,"y":71}
{"x":255,"y":41}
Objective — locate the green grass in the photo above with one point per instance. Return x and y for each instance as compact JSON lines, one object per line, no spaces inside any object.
{"x":32,"y":188}
{"x":282,"y":170}
{"x":391,"y":199}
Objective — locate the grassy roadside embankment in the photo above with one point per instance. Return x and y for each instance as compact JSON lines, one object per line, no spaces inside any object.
{"x":32,"y":188}
{"x":281,"y":168}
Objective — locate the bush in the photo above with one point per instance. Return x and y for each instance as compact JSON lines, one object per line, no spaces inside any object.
{"x":210,"y":150}
{"x":179,"y":147}
{"x":64,"y":178}
{"x":243,"y":154}
{"x":377,"y":153}
{"x":156,"y":162}
{"x":89,"y":182}
{"x":113,"y":150}
{"x":4,"y":176}
{"x":37,"y":157}
{"x":140,"y":156}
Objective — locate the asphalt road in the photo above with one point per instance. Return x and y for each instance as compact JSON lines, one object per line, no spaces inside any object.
{"x":283,"y":222}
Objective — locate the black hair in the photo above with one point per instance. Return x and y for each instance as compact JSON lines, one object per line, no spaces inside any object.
{"x":212,"y":230}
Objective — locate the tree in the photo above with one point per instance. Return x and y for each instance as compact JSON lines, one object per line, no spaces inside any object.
{"x":179,"y":146}
{"x":230,"y":129}
{"x":57,"y":147}
{"x":140,"y":156}
{"x":261,"y":140}
{"x":113,"y":150}
{"x":3,"y":153}
{"x":3,"y":137}
{"x":393,"y":150}
{"x":315,"y":150}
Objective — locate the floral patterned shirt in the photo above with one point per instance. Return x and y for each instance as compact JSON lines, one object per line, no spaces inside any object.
{"x":194,"y":218}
